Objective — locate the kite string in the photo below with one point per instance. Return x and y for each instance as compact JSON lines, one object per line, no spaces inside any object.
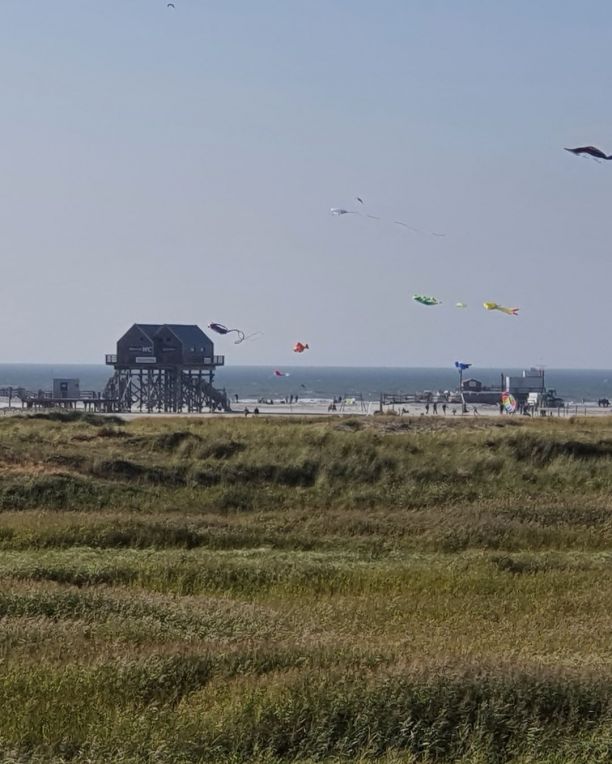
{"x":338,"y":211}
{"x":242,"y":337}
{"x":397,"y":222}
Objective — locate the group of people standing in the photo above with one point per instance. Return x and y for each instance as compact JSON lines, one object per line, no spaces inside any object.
{"x":435,"y":408}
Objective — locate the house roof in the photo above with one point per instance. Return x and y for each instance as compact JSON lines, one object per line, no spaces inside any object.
{"x":149,"y":329}
{"x":188,"y":334}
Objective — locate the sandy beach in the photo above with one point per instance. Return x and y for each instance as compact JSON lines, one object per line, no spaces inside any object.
{"x":323,"y":407}
{"x":320,"y":408}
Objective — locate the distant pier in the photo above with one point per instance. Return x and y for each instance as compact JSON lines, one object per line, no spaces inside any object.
{"x":87,"y":400}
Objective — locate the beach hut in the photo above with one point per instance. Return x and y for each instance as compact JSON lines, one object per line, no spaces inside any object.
{"x":164,"y":367}
{"x":165,"y":345}
{"x":66,"y":389}
{"x":183,"y":345}
{"x":136,"y":346}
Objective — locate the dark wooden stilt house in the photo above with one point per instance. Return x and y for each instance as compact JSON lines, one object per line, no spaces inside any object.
{"x":165,"y":368}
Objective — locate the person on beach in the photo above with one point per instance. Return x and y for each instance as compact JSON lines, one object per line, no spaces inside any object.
{"x":444,"y":409}
{"x":435,"y":407}
{"x":246,"y":411}
{"x":256,"y":410}
{"x":427,"y":408}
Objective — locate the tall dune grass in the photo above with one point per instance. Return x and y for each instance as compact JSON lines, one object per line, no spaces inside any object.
{"x":323,"y":590}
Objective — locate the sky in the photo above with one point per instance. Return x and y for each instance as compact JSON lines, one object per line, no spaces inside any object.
{"x":178,"y":165}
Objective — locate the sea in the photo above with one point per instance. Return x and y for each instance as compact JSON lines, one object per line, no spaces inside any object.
{"x":321,"y":383}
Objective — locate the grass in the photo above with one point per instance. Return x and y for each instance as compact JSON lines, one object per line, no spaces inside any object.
{"x":384,"y":589}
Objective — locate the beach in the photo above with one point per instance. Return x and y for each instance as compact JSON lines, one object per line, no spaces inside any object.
{"x":253,"y":407}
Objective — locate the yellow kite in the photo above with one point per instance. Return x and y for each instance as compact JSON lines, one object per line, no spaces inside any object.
{"x":495,"y":306}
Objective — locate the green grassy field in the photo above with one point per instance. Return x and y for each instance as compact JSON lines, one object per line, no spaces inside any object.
{"x":305,"y":590}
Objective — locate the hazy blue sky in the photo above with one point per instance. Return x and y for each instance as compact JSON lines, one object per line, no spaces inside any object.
{"x":178,"y":165}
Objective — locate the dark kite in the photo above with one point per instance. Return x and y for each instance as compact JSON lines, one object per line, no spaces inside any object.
{"x":591,"y":151}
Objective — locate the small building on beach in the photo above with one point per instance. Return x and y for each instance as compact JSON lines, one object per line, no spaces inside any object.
{"x":164,"y":367}
{"x":186,"y":345}
{"x":530,"y":381}
{"x":66,"y":389}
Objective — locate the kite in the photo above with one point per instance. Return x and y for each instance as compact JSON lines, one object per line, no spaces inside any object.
{"x":300,"y":347}
{"x":509,"y":403}
{"x":495,"y":306}
{"x":462,"y":366}
{"x":222,"y":329}
{"x":170,"y":5}
{"x":425,"y":299}
{"x":591,"y":151}
{"x":278,"y":373}
{"x":460,"y":305}
{"x":339,"y":211}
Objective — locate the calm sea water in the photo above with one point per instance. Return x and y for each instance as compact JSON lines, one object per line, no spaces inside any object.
{"x":322,"y":382}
